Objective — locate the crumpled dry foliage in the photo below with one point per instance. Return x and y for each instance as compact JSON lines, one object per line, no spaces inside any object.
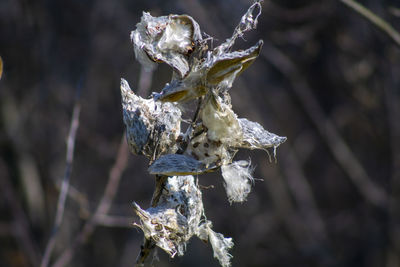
{"x":214,"y":134}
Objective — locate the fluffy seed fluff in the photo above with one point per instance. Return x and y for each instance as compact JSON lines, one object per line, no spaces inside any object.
{"x":237,"y":180}
{"x":176,"y":37}
{"x":221,"y":121}
{"x":220,"y":244}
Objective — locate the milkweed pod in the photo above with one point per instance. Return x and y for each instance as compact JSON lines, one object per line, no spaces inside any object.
{"x":226,"y":67}
{"x":256,"y":137}
{"x":176,"y":164}
{"x":191,"y":87}
{"x":168,"y":39}
{"x":149,"y":125}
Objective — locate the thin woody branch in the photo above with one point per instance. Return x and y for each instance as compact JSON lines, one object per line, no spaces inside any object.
{"x":64,"y":185}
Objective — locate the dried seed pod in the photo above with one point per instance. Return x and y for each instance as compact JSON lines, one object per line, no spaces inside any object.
{"x":175,"y":164}
{"x":214,"y":71}
{"x":256,"y":137}
{"x":247,"y":23}
{"x":168,"y":39}
{"x":226,"y":67}
{"x":212,"y":137}
{"x":210,"y":153}
{"x":151,"y":127}
{"x":191,"y":87}
{"x":177,"y":216}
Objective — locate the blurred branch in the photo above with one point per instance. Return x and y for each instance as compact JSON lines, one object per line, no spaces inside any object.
{"x":394,"y":11}
{"x":302,"y":192}
{"x":114,"y":221}
{"x":6,"y":229}
{"x":20,"y":225}
{"x":299,"y":14}
{"x":374,"y":19}
{"x":103,"y":207}
{"x":393,"y":110}
{"x":340,"y":150}
{"x":65,"y":184}
{"x":1,"y":67}
{"x":81,"y":200}
{"x":145,"y":80}
{"x":284,"y":208}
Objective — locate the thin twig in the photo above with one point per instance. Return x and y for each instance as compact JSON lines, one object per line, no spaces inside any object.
{"x":20,"y":225}
{"x":374,"y":19}
{"x":103,"y":207}
{"x":64,"y":186}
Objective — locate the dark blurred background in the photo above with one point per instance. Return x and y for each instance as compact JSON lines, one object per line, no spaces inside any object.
{"x":327,"y":79}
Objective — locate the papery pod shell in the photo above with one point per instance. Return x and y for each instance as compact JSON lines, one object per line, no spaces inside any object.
{"x":228,"y":66}
{"x":256,"y":137}
{"x":151,"y":127}
{"x":175,"y":164}
{"x":168,"y":39}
